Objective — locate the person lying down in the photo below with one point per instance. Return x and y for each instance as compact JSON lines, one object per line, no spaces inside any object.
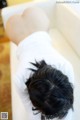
{"x":44,"y":78}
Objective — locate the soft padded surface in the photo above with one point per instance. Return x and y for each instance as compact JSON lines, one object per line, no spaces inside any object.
{"x":58,"y":41}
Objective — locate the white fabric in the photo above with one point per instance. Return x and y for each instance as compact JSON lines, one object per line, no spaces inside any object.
{"x":38,"y":47}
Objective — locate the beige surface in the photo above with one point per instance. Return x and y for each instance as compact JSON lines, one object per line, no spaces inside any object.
{"x":60,"y":43}
{"x":13,"y":2}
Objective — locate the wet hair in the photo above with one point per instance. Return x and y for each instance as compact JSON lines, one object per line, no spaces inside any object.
{"x":50,"y":91}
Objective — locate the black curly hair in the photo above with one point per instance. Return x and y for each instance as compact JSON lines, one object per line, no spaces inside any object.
{"x":50,"y":91}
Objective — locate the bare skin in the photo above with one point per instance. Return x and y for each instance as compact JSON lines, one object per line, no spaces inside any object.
{"x":32,"y":20}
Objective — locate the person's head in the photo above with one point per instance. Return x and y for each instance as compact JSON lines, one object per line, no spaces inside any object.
{"x":50,"y":91}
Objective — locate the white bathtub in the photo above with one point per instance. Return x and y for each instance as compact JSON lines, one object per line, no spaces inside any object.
{"x":65,"y":34}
